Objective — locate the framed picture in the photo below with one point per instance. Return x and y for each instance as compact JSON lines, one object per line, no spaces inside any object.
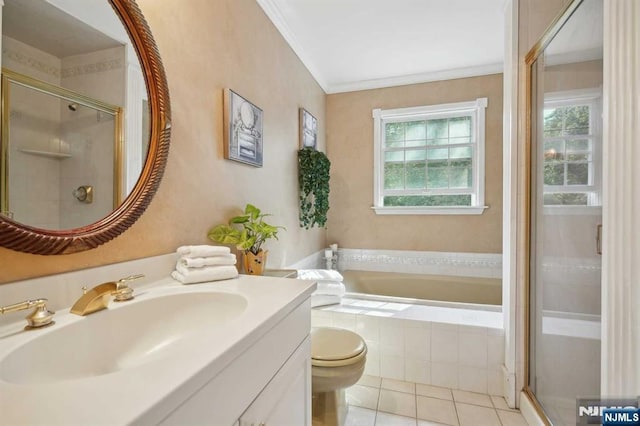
{"x":308,"y":130}
{"x":242,"y":130}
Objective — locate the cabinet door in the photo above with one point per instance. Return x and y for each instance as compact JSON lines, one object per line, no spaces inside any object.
{"x":286,"y":400}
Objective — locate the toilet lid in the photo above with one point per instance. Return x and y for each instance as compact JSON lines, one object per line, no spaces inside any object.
{"x":335,"y":344}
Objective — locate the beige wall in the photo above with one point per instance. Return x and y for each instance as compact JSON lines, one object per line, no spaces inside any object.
{"x":352,"y":222}
{"x":573,"y":76}
{"x":206,"y":47}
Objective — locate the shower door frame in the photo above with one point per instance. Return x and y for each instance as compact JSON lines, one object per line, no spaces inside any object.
{"x":529,"y":158}
{"x":11,"y":77}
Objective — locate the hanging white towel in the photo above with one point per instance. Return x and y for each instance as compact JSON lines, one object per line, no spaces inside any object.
{"x":202,"y":251}
{"x":328,"y":288}
{"x":320,"y":275}
{"x":199,"y":262}
{"x":209,"y":273}
{"x":322,"y":300}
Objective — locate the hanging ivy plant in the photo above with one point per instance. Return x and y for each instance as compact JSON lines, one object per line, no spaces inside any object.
{"x":313,"y":178}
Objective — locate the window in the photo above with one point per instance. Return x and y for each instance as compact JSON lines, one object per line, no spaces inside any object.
{"x":430,"y":160}
{"x":571,"y":148}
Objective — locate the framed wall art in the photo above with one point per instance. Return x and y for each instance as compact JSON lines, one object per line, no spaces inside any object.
{"x":308,"y":130}
{"x":242,"y":130}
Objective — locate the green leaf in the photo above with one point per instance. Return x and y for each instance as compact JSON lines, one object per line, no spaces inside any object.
{"x":252,"y":211}
{"x":224,"y":234}
{"x":240,"y":219}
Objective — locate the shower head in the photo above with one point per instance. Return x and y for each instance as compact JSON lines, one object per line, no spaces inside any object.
{"x":73,"y":106}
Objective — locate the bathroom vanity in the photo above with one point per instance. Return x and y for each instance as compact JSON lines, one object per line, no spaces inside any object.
{"x":233,"y":352}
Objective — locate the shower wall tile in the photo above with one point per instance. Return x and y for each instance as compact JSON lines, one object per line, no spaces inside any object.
{"x":392,"y":335}
{"x":417,"y":343}
{"x":495,"y":382}
{"x":422,"y":262}
{"x":472,"y":350}
{"x":444,"y":375}
{"x":321,"y":319}
{"x":344,"y":320}
{"x":372,"y":367}
{"x":417,"y":371}
{"x":392,"y":350}
{"x":444,"y":346}
{"x":495,"y":352}
{"x":472,"y":379}
{"x":441,"y":354}
{"x":392,"y":366}
{"x":368,"y":327}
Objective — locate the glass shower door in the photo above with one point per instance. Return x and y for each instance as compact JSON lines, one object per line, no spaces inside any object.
{"x":566,"y":175}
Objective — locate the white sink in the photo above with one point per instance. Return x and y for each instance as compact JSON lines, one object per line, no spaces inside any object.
{"x":126,"y":335}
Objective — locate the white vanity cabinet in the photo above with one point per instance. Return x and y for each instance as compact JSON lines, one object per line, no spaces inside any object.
{"x":222,"y":353}
{"x":268,"y":384}
{"x":285,"y":401}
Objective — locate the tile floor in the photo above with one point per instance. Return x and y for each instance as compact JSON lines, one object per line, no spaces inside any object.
{"x":384,"y":402}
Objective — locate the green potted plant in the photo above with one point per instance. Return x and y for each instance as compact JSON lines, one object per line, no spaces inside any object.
{"x":247,"y":232}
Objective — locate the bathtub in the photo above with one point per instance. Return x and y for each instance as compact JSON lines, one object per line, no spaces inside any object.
{"x":436,"y":330}
{"x":423,"y":289}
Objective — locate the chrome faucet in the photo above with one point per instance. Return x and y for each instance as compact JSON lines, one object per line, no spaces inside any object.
{"x":99,"y":296}
{"x":40,"y":317}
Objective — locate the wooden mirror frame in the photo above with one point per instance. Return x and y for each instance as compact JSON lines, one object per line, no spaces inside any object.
{"x":20,"y":237}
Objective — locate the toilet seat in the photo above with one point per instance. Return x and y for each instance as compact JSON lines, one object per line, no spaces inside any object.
{"x":336,"y":347}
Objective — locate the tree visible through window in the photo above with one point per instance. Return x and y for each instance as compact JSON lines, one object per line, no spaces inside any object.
{"x":430,"y":156}
{"x":570,"y":149}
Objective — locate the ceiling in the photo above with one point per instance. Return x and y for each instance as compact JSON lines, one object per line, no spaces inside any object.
{"x":43,"y":26}
{"x":581,"y":37}
{"x":361,"y":44}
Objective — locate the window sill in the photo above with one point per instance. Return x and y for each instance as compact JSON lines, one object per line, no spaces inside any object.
{"x":475,"y":210}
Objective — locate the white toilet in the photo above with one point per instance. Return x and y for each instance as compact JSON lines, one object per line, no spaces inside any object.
{"x":338,"y":358}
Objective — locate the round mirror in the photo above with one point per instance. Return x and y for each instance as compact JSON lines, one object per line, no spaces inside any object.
{"x":85,"y":123}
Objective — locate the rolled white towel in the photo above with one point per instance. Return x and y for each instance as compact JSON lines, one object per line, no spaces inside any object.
{"x":206,"y":274}
{"x":320,"y":275}
{"x":199,"y":262}
{"x":202,"y":251}
{"x":327,"y":288}
{"x":322,"y":300}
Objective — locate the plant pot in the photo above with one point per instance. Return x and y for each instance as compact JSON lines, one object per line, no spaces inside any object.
{"x":255,"y":264}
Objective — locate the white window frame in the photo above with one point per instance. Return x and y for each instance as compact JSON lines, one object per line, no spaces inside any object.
{"x":593,"y":98}
{"x":477,"y":110}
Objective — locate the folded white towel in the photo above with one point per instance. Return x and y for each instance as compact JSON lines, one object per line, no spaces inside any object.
{"x":206,"y":274}
{"x":202,"y":251}
{"x":324,"y":300}
{"x":327,"y":288}
{"x":199,"y":262}
{"x":185,"y":270}
{"x":319,"y":275}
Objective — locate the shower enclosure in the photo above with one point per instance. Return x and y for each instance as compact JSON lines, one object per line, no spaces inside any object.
{"x":565,"y":142}
{"x":61,"y":162}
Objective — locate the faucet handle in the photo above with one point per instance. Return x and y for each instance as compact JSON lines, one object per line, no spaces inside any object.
{"x":130,"y":278}
{"x":40,"y":317}
{"x":123,"y":291}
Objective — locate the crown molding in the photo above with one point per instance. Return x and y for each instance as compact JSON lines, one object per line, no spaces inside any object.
{"x":593,"y":54}
{"x":416,"y":78}
{"x":273,"y":12}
